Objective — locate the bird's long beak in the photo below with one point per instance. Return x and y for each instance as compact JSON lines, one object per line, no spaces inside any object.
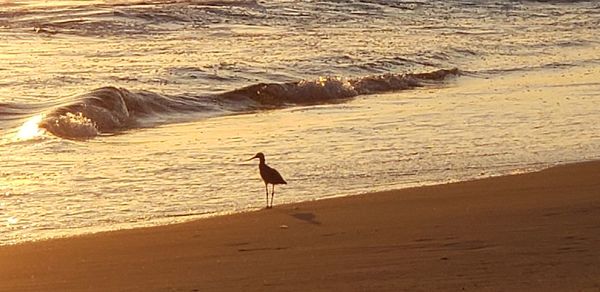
{"x":251,"y":158}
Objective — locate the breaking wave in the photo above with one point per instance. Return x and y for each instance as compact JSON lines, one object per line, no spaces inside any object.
{"x":109,"y":110}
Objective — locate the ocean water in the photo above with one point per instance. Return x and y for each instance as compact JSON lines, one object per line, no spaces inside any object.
{"x":119,"y":114}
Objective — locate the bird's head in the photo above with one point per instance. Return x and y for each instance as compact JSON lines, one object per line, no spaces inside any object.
{"x":258,"y":155}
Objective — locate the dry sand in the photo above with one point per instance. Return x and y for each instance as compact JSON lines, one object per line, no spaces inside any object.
{"x":537,"y":231}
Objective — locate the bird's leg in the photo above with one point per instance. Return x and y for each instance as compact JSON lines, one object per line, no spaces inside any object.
{"x":272,"y":195}
{"x":267,"y":192}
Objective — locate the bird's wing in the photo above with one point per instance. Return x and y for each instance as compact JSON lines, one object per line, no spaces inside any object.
{"x":274,"y":176}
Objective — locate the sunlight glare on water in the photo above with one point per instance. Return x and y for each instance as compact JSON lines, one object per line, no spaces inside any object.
{"x":30,"y":129}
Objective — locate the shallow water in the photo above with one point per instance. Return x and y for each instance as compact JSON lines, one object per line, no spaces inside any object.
{"x":525,"y":97}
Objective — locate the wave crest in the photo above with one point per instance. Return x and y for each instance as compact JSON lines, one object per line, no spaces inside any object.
{"x":70,"y":125}
{"x":111,"y":109}
{"x":269,"y":95}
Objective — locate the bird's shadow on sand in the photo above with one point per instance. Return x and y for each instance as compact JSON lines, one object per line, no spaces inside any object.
{"x":306,"y":217}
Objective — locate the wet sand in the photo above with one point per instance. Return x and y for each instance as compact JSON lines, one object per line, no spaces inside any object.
{"x":528,"y":232}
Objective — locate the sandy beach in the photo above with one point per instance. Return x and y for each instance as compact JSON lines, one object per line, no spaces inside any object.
{"x":526,"y":232}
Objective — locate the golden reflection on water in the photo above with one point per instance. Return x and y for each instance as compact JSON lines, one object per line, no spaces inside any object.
{"x":34,"y":3}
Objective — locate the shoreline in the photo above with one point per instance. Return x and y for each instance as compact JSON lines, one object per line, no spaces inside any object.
{"x":518,"y":232}
{"x":164,"y":221}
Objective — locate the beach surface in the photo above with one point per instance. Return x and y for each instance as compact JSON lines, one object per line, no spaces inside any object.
{"x":526,"y":232}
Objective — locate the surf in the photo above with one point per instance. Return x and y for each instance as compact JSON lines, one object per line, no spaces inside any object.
{"x":110,"y":109}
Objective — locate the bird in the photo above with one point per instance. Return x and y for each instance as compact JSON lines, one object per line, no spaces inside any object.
{"x":269,"y":176}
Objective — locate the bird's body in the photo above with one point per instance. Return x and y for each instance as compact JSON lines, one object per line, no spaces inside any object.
{"x":269,"y":176}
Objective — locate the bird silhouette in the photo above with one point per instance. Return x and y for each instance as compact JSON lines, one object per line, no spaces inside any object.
{"x":269,"y":176}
